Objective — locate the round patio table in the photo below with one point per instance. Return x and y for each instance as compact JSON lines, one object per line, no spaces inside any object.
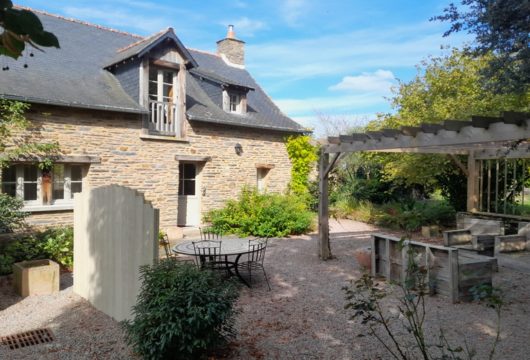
{"x":229,"y":247}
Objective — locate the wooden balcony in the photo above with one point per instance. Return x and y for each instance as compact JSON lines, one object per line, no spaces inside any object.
{"x":163,"y":119}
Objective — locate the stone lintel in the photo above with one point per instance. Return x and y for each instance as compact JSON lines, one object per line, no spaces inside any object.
{"x":195,"y":158}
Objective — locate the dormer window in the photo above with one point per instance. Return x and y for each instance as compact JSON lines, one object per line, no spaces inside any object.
{"x":234,"y":102}
{"x":163,"y":101}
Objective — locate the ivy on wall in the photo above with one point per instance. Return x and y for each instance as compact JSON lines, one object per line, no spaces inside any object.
{"x":303,"y":155}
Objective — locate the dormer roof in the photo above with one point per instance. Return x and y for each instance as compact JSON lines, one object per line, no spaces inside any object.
{"x":141,"y":48}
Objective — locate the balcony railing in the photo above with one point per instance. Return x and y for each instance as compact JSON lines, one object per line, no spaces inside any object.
{"x":163,"y":118}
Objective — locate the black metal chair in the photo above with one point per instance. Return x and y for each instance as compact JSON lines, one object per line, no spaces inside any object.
{"x":208,"y":255}
{"x":255,"y":259}
{"x":170,"y":254}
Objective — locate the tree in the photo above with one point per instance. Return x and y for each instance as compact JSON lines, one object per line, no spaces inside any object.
{"x":501,"y":27}
{"x":21,"y":27}
{"x":445,"y":88}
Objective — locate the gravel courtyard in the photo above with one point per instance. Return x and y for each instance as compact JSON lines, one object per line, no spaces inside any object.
{"x":301,"y":318}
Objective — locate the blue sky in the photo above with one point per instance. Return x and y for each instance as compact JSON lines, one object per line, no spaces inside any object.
{"x":338,"y":59}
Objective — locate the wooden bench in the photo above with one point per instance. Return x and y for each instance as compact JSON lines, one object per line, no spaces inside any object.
{"x":449,"y":272}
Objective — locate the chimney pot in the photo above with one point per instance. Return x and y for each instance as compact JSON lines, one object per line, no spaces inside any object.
{"x":230,"y":34}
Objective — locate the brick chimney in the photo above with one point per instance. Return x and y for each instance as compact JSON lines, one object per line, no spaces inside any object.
{"x":231,"y":49}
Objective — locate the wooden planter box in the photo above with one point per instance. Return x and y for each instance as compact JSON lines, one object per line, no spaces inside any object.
{"x":36,"y":277}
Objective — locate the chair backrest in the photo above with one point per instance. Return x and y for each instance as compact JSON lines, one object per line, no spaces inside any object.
{"x":165,"y":242}
{"x":209,"y":234}
{"x":207,"y":248}
{"x":257,"y":249}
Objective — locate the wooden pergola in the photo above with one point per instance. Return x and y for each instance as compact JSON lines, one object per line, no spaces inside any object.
{"x":480,"y":138}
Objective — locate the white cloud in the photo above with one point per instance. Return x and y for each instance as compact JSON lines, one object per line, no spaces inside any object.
{"x":379,"y":82}
{"x":292,"y":10}
{"x":327,"y":104}
{"x":347,"y":53}
{"x":245,"y":26}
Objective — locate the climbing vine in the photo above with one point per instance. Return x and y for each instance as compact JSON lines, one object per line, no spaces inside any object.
{"x":303,"y":155}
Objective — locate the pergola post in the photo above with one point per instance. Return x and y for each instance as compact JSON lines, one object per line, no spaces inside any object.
{"x":324,"y":249}
{"x":472,"y":182}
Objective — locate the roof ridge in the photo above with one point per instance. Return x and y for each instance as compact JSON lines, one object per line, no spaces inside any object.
{"x":143,"y":40}
{"x":77,"y":21}
{"x":204,"y":52}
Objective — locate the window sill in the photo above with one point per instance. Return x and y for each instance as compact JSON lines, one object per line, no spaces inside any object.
{"x":48,"y":208}
{"x":163,"y":138}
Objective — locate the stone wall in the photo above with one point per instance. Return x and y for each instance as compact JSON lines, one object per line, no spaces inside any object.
{"x":149,"y":165}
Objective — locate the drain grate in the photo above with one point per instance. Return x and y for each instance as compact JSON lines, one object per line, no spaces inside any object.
{"x":28,"y":338}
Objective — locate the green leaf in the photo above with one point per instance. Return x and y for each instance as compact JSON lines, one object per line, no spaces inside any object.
{"x":22,"y":22}
{"x":46,"y":39}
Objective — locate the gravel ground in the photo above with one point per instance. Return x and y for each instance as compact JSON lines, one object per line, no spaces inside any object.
{"x":301,"y":318}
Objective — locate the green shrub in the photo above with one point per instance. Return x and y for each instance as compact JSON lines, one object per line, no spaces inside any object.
{"x":58,"y":245}
{"x":6,"y":264}
{"x":411,"y":215}
{"x":11,"y":216}
{"x":54,"y":243}
{"x":181,"y":312}
{"x":270,"y":215}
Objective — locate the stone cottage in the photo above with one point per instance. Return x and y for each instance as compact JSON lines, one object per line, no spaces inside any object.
{"x":187,"y":128}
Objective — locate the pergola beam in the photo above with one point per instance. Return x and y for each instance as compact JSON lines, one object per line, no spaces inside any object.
{"x":467,"y":137}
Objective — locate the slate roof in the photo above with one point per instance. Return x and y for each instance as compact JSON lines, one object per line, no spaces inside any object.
{"x":75,"y":76}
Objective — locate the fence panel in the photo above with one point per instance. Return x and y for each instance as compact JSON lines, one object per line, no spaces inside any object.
{"x":115,"y":232}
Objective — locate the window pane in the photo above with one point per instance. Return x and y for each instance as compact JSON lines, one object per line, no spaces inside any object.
{"x":76,"y":187}
{"x":58,"y":190}
{"x":168,"y":77}
{"x":153,"y":89}
{"x":58,"y":172}
{"x":189,"y":187}
{"x":30,"y":173}
{"x":189,"y":171}
{"x":9,"y":189}
{"x":9,"y":174}
{"x":30,"y":191}
{"x":76,"y":173}
{"x":153,"y":74}
{"x":168,"y":91}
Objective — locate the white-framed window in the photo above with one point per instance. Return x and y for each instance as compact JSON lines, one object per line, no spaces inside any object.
{"x":38,"y":187}
{"x":234,"y":102}
{"x":187,"y":179}
{"x":161,"y":85}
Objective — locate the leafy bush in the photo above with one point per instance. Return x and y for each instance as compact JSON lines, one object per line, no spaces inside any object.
{"x":54,"y":243}
{"x":181,"y":312}
{"x":413,"y":214}
{"x":269,"y":215}
{"x":11,"y":216}
{"x":348,"y":208}
{"x":58,"y":245}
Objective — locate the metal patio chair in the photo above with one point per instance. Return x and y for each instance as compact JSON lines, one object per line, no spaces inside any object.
{"x":208,"y":255}
{"x":170,"y":254}
{"x":255,"y":259}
